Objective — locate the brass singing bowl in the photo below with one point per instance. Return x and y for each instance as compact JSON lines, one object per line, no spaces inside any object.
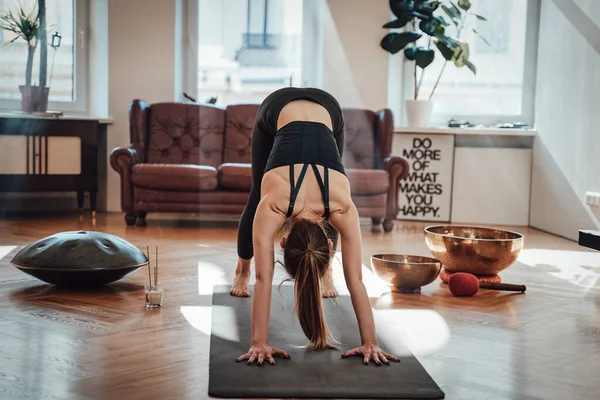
{"x":405,"y":271}
{"x":477,"y":250}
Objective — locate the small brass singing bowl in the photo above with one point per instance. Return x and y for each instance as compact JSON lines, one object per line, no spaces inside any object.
{"x":405,"y":273}
{"x":472,"y":249}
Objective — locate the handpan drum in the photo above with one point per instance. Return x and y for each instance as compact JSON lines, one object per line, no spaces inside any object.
{"x":80,"y":259}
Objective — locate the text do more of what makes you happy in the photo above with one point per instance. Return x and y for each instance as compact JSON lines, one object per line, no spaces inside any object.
{"x":421,"y":184}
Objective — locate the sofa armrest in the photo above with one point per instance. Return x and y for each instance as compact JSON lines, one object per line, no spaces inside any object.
{"x":384,"y":133}
{"x":122,"y":160}
{"x":398,"y":169}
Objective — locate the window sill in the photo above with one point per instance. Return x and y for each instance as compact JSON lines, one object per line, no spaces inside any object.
{"x":72,"y":117}
{"x":468,"y":131}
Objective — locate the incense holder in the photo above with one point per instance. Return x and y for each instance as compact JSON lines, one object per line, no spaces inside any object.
{"x":154,"y":297}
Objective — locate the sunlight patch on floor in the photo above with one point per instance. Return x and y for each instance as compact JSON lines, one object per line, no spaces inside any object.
{"x":581,"y":268}
{"x":423,"y":332}
{"x":375,"y":286}
{"x":4,"y":250}
{"x":200,"y":317}
{"x":209,"y":274}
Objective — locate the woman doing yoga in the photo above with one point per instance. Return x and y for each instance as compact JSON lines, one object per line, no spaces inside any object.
{"x":300,"y":191}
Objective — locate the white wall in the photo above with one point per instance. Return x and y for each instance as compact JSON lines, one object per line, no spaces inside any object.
{"x":141,"y":64}
{"x":355,"y":67}
{"x":566,"y":160}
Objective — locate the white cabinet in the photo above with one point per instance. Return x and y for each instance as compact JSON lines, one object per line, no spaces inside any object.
{"x":64,"y":155}
{"x":486,"y":175}
{"x":491,"y":186}
{"x":13,"y":155}
{"x":40,"y":155}
{"x":52,"y":154}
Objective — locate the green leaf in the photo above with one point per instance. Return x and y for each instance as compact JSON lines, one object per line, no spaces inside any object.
{"x":461,"y":54}
{"x":470,"y":65}
{"x":416,"y":14}
{"x":9,"y":42}
{"x":24,"y":23}
{"x":480,"y":17}
{"x":400,"y":7}
{"x":394,"y":42}
{"x":424,"y":57}
{"x":399,"y":23}
{"x":482,"y":38}
{"x":448,"y":41}
{"x":441,"y":20}
{"x":464,"y":4}
{"x":450,"y":12}
{"x":427,"y":7}
{"x":429,"y":27}
{"x":455,"y":7}
{"x":410,"y":53}
{"x":446,"y":51}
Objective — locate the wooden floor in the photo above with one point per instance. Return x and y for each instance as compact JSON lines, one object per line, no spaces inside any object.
{"x":104,"y":344}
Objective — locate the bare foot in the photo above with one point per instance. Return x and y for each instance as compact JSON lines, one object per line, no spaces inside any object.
{"x":240,"y":286}
{"x":242,"y":276}
{"x":327,"y":287}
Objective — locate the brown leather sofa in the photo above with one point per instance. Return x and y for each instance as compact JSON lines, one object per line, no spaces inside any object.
{"x":195,"y":158}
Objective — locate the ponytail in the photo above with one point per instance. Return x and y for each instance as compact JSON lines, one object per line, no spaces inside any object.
{"x":309,"y":306}
{"x":306,"y":259}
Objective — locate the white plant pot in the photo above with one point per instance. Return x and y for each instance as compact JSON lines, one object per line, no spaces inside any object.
{"x":418,"y":113}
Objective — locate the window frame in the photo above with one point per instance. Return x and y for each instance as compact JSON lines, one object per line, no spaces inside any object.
{"x":313,"y":12}
{"x":405,"y":76}
{"x":80,"y":104}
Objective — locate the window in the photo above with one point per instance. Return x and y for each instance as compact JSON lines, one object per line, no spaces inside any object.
{"x":248,"y":48}
{"x":66,"y":71}
{"x":503,"y":88}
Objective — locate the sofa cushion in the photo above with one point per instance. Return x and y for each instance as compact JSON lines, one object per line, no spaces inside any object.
{"x":214,"y":197}
{"x":235,"y":176}
{"x":368,"y":181}
{"x":175,"y":177}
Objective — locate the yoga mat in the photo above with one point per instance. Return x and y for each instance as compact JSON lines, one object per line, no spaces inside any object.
{"x":307,"y":374}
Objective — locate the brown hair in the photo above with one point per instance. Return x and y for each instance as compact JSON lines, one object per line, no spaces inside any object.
{"x":306,"y":257}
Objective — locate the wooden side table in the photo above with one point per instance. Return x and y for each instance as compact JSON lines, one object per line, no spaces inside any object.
{"x":50,"y":154}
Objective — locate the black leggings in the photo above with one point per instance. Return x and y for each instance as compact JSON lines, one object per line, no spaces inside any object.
{"x":263,"y":137}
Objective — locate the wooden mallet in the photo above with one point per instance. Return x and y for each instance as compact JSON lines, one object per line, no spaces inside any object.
{"x":465,"y":284}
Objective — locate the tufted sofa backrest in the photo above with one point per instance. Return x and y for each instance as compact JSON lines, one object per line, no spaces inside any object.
{"x":367,"y":137}
{"x":359,"y":140}
{"x":239,"y":121}
{"x":185,"y":134}
{"x":179,"y":133}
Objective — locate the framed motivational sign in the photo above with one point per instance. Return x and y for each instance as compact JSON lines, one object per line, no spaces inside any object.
{"x":427,"y":192}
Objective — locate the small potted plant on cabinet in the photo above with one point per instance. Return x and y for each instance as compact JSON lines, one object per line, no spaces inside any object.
{"x":29,"y":26}
{"x":422,"y":18}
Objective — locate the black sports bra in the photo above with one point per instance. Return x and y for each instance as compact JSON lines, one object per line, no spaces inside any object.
{"x":308,"y":143}
{"x":323,"y":185}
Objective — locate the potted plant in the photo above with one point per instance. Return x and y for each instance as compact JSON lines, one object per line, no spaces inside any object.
{"x":422,"y":19}
{"x":29,"y":26}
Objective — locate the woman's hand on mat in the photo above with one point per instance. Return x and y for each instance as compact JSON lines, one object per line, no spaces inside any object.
{"x":370,"y":352}
{"x":260,"y":352}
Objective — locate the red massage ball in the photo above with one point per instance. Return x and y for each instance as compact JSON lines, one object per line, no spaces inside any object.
{"x":463,"y":284}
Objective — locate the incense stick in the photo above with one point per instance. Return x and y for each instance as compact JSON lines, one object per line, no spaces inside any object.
{"x":149,"y":273}
{"x":156,"y":268}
